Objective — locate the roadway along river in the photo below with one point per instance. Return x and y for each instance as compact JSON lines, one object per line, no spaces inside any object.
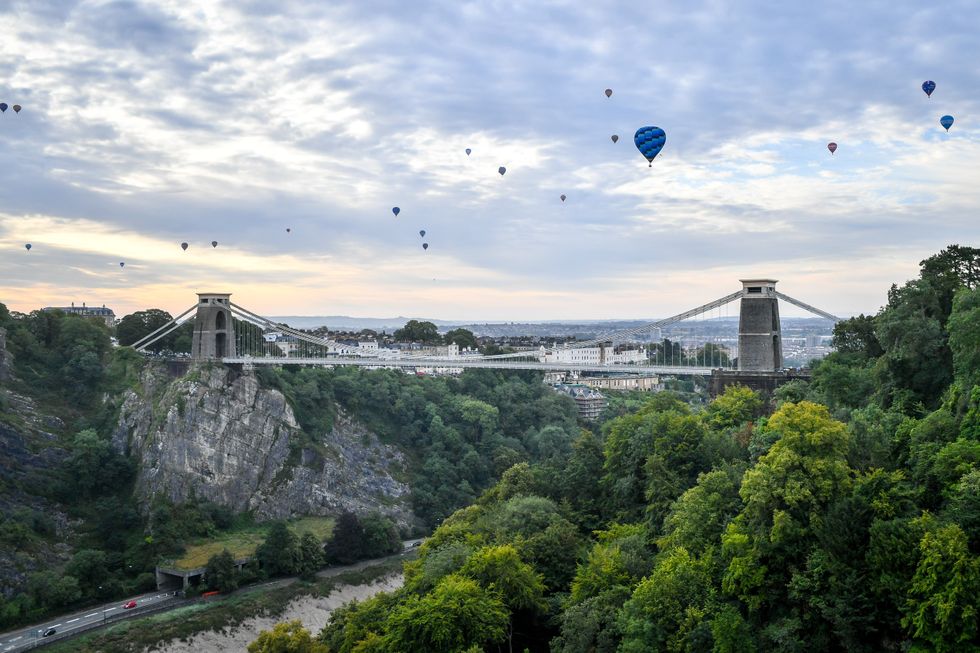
{"x":28,"y":637}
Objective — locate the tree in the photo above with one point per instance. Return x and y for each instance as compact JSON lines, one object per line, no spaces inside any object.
{"x":964,"y":338}
{"x":856,"y":335}
{"x":140,"y":324}
{"x":784,"y":495}
{"x":288,"y":637}
{"x":457,"y":614}
{"x":734,"y":407}
{"x":698,"y":517}
{"x":463,"y":338}
{"x":94,"y":467}
{"x":89,"y":567}
{"x":418,"y":331}
{"x":380,"y":536}
{"x":346,"y":545}
{"x":310,"y":556}
{"x":279,"y":553}
{"x":220,"y":573}
{"x":53,"y":590}
{"x":944,"y":599}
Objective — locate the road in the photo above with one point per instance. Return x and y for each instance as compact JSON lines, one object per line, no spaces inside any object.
{"x":26,"y":637}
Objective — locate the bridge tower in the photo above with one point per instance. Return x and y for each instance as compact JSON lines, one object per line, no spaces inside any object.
{"x":760,"y":347}
{"x":214,"y":332}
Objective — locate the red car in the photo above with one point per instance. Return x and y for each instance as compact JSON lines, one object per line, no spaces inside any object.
{"x":131,"y":604}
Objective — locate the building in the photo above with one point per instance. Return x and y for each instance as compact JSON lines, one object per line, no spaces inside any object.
{"x":590,"y":402}
{"x":600,"y":355}
{"x":648,"y":383}
{"x":105,"y":314}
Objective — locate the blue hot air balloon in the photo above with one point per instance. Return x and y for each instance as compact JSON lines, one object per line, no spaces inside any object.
{"x":929,"y":87}
{"x":122,"y":264}
{"x":649,"y":141}
{"x":946,"y":121}
{"x":425,"y":245}
{"x":396,"y":210}
{"x":468,"y":150}
{"x":422,"y":233}
{"x":501,"y":170}
{"x":28,"y":247}
{"x":3,"y":107}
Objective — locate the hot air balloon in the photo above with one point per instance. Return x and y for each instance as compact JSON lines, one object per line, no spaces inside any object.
{"x":468,"y":150}
{"x":425,"y":245}
{"x":28,"y":246}
{"x":288,"y":230}
{"x":501,"y":170}
{"x":832,"y":147}
{"x":562,"y":198}
{"x":3,"y":107}
{"x":649,"y":141}
{"x":608,"y":92}
{"x":615,"y":138}
{"x":929,"y":87}
{"x":214,"y":243}
{"x":121,"y":264}
{"x":396,"y":210}
{"x":16,"y":108}
{"x":946,"y":121}
{"x":422,"y":233}
{"x":183,"y":246}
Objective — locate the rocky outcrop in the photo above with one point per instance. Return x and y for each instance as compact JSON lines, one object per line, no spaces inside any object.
{"x":216,"y":434}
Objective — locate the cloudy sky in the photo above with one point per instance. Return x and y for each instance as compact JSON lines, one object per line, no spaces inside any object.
{"x":145,"y":124}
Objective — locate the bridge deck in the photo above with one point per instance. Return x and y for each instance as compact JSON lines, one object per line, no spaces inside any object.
{"x":468,"y":364}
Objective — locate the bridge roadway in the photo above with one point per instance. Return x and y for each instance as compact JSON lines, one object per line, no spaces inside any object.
{"x":464,"y":363}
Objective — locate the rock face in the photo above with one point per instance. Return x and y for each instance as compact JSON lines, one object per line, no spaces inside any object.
{"x":216,"y":434}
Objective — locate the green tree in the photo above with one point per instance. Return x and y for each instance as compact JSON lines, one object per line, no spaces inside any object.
{"x":346,"y":545}
{"x":50,"y":589}
{"x":89,"y":567}
{"x":944,"y":597}
{"x":380,"y":536}
{"x":287,"y":637}
{"x":311,"y":556}
{"x":220,"y":573}
{"x":279,"y":553}
{"x":668,"y":610}
{"x":418,"y":331}
{"x":135,"y":326}
{"x":964,"y":338}
{"x":94,"y":468}
{"x":734,"y":407}
{"x":856,"y":335}
{"x":463,"y":338}
{"x":698,"y":517}
{"x":457,"y":614}
{"x":784,"y":496}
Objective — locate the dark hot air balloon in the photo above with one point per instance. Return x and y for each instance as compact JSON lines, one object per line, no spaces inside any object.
{"x":946,"y":121}
{"x":468,"y":150}
{"x":16,"y":108}
{"x":562,"y":198}
{"x":121,"y":264}
{"x":288,"y":230}
{"x":183,"y":246}
{"x":615,"y":138}
{"x":28,"y":246}
{"x":501,"y":170}
{"x":214,"y":243}
{"x":3,"y":107}
{"x":425,"y":245}
{"x":608,"y":92}
{"x":396,"y":210}
{"x":832,"y":147}
{"x":649,"y":141}
{"x":929,"y":87}
{"x":422,"y":233}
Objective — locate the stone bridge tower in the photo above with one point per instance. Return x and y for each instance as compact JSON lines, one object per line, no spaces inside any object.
{"x":760,"y":346}
{"x":214,"y":332}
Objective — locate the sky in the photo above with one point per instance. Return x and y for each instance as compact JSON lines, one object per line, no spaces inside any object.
{"x":147,"y":124}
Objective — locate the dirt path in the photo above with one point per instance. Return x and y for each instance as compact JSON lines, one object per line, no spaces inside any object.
{"x":313,"y":612}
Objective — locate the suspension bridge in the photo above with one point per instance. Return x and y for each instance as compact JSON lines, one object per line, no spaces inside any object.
{"x":227,"y":332}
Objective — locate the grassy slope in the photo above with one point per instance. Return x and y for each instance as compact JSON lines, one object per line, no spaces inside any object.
{"x":244,"y":541}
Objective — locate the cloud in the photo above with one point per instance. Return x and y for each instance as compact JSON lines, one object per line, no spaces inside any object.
{"x":150,"y":123}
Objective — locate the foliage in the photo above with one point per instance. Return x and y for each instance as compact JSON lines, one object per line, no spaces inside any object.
{"x":463,"y":338}
{"x":287,"y":637}
{"x":134,"y":327}
{"x":418,"y":331}
{"x":220,"y":573}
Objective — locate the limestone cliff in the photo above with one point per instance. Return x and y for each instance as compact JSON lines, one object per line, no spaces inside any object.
{"x":216,"y":434}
